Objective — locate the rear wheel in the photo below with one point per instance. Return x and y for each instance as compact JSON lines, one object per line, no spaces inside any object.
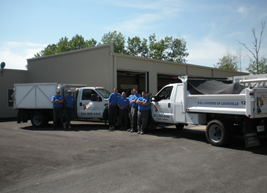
{"x":179,"y":126}
{"x":38,"y":119}
{"x":218,"y":133}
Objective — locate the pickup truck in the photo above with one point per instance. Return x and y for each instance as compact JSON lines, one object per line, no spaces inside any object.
{"x":226,"y":107}
{"x":33,"y":101}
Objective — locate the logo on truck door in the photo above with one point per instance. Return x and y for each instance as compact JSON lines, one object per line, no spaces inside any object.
{"x":85,"y":107}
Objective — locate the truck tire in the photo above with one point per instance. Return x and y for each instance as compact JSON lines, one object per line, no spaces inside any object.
{"x":218,"y":133}
{"x":38,"y":119}
{"x":179,"y":126}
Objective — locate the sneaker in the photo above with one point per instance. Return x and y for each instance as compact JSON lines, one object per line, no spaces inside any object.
{"x":129,"y":130}
{"x":142,"y":133}
{"x":64,"y":125}
{"x":138,"y":132}
{"x":69,"y":127}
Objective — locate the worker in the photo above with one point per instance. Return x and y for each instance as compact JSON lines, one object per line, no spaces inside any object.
{"x":113,"y":108}
{"x":134,"y":108}
{"x":69,"y":104}
{"x":143,"y":112}
{"x":57,"y":101}
{"x":123,"y":104}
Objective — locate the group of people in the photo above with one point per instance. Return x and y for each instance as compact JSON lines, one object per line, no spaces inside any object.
{"x":58,"y":104}
{"x":137,"y":105}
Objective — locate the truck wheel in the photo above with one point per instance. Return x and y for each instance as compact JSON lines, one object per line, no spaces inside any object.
{"x":217,"y":133}
{"x":179,"y":126}
{"x":38,"y":119}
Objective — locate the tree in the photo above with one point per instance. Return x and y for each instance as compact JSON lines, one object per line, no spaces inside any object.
{"x":177,"y":50}
{"x":228,"y":62}
{"x":256,"y":46}
{"x":134,"y":46}
{"x":262,"y":66}
{"x":63,"y":45}
{"x":90,"y":43}
{"x":117,"y":39}
{"x":77,"y":42}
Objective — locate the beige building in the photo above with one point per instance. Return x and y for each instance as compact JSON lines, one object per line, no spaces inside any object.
{"x":100,"y":66}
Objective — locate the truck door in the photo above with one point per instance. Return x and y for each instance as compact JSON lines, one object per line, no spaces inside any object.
{"x":86,"y":108}
{"x":163,"y":107}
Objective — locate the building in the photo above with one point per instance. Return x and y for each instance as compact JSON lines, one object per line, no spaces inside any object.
{"x":100,"y":66}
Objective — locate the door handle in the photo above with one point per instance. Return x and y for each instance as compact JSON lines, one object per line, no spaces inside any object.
{"x":169,"y":105}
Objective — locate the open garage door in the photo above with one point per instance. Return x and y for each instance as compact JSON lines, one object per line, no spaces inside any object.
{"x":164,"y":79}
{"x":127,"y":80}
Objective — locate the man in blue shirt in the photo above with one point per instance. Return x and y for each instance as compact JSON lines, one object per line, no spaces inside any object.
{"x":143,"y":112}
{"x":113,"y":108}
{"x":69,"y":104}
{"x":123,"y":104}
{"x":57,"y":101}
{"x":134,"y":108}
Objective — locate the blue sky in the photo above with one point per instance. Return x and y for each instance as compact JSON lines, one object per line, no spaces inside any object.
{"x":211,"y":28}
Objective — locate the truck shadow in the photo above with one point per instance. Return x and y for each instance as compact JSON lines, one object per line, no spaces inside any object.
{"x":199,"y":135}
{"x":75,"y":127}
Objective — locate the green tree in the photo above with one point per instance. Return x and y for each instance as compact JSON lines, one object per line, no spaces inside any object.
{"x":134,"y":46}
{"x":117,"y":39}
{"x":77,"y":42}
{"x":49,"y":50}
{"x":177,"y":49}
{"x":228,"y":62}
{"x":90,"y":43}
{"x":157,"y":48}
{"x":63,"y":45}
{"x":144,"y":48}
{"x":262,"y":66}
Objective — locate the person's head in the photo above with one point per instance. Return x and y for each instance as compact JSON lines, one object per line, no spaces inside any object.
{"x":123,"y":95}
{"x":115,"y":90}
{"x":69,"y":93}
{"x":58,"y":92}
{"x":134,"y":91}
{"x":144,"y":94}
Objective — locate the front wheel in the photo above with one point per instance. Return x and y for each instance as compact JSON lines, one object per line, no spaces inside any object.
{"x":218,"y":133}
{"x":38,"y":119}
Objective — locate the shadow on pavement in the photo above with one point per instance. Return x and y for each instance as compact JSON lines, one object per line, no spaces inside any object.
{"x":190,"y":134}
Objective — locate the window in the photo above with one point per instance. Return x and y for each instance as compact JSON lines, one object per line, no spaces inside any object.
{"x":165,"y":93}
{"x":87,"y":94}
{"x":10,"y":93}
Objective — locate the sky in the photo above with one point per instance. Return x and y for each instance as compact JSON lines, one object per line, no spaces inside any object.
{"x":211,"y":28}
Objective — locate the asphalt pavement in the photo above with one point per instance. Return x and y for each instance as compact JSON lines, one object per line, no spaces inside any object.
{"x":90,"y":158}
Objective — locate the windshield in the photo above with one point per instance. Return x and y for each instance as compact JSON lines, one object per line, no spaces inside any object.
{"x":103,"y":92}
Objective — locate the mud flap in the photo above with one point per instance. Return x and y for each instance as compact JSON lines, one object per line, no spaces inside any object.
{"x":250,"y":133}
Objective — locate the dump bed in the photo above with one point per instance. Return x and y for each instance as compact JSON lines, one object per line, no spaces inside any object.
{"x":34,"y":95}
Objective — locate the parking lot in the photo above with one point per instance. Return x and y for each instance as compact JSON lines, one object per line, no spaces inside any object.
{"x":90,"y":158}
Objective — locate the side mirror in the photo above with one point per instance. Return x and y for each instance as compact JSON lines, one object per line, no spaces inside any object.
{"x":154,"y":98}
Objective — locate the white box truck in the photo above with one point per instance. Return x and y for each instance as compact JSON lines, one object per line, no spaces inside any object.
{"x":226,"y":107}
{"x":33,"y":101}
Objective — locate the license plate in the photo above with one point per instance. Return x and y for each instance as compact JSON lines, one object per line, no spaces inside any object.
{"x":260,"y":128}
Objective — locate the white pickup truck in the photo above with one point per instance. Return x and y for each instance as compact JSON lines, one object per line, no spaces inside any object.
{"x":226,"y":107}
{"x":33,"y":101}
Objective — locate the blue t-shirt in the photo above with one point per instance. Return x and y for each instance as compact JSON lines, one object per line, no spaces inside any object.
{"x":57,"y":105}
{"x":141,"y":107}
{"x":69,"y":101}
{"x":134,"y":97}
{"x":113,"y":98}
{"x":122,"y":102}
